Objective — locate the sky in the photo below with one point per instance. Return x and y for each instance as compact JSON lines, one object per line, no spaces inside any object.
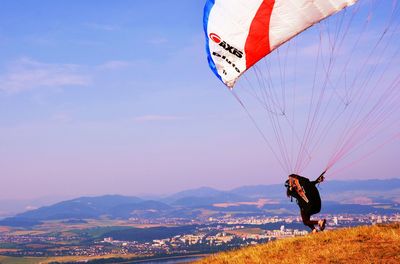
{"x":116,"y":97}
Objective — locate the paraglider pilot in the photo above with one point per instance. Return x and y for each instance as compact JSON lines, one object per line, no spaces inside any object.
{"x":308,"y":198}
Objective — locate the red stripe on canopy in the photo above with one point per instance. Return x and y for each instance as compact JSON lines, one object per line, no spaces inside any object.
{"x":257,"y":43}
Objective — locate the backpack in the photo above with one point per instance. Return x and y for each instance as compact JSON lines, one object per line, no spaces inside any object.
{"x":305,"y":192}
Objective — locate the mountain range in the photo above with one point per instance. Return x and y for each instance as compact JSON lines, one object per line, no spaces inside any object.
{"x":362,"y":196}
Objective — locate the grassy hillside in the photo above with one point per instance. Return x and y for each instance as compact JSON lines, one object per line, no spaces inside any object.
{"x":367,"y":244}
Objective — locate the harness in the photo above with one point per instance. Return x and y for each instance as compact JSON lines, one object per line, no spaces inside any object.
{"x":294,"y":185}
{"x":305,"y":192}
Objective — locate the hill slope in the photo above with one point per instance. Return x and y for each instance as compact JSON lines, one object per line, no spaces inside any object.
{"x":367,"y":244}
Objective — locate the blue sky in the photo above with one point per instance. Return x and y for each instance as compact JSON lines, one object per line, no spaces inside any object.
{"x":104,"y":97}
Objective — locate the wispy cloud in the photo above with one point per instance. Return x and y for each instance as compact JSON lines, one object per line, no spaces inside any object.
{"x":3,"y":39}
{"x":103,"y":27}
{"x":40,"y":40}
{"x":61,"y":117}
{"x":27,"y":74}
{"x":114,"y":65}
{"x":154,"y":118}
{"x":157,"y":41}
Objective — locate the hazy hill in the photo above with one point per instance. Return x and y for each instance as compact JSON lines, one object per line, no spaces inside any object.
{"x":258,"y":191}
{"x":368,"y":244}
{"x":113,"y":206}
{"x":198,"y":192}
{"x":10,"y":207}
{"x":362,"y":197}
{"x":83,"y":207}
{"x":332,"y":190}
{"x":222,"y":197}
{"x":383,"y":190}
{"x":144,"y":209}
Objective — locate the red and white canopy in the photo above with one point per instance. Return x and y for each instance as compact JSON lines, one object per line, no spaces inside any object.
{"x":241,"y":32}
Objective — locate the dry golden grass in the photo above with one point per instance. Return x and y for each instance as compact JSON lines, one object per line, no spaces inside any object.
{"x":367,"y":244}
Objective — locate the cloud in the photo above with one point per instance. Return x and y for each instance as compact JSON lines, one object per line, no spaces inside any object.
{"x":154,"y":118}
{"x":103,"y":27}
{"x":39,"y":40}
{"x":61,"y":117}
{"x":157,"y":41}
{"x":3,"y":39}
{"x":30,"y":208}
{"x":114,"y":65}
{"x":27,"y":74}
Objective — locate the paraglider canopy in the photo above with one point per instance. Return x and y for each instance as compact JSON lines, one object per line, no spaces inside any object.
{"x":240,"y":33}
